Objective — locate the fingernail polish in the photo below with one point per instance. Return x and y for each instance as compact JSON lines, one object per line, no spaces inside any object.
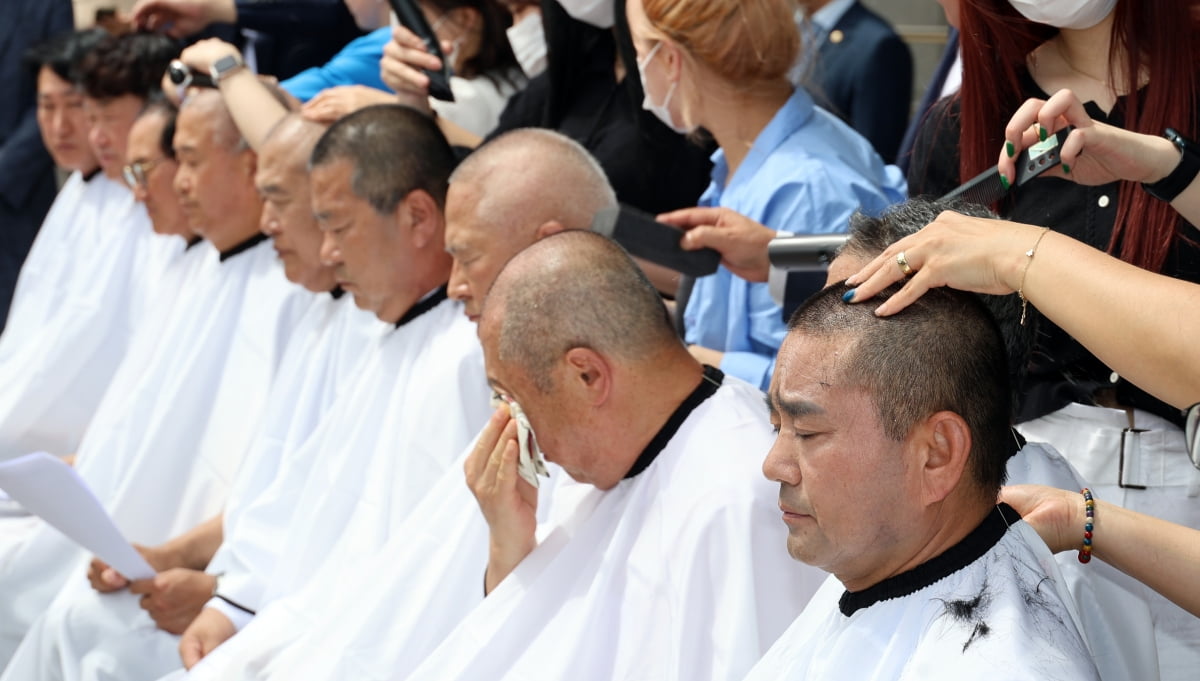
{"x":848,"y":296}
{"x":1004,"y":181}
{"x":1043,"y":133}
{"x":1066,"y":169}
{"x":1008,"y":147}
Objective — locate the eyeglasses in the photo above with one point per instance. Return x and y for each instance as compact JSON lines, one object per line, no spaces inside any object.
{"x":1191,"y":432}
{"x":137,"y":174}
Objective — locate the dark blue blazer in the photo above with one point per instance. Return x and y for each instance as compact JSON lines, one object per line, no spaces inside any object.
{"x":863,"y":72}
{"x":27,"y":185}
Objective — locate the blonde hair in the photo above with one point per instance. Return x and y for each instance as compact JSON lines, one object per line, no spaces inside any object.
{"x":742,"y":41}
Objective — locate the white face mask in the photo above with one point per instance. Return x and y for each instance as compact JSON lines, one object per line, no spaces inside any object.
{"x":530,"y":461}
{"x":528,"y":43}
{"x":1076,"y":14}
{"x":662,"y":111}
{"x":598,"y":13}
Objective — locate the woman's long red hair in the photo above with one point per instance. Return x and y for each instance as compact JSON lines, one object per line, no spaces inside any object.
{"x":1160,"y":35}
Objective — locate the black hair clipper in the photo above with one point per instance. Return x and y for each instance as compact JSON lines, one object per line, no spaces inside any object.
{"x":411,"y":17}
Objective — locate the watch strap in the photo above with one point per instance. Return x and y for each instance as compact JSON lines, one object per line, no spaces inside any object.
{"x":223,"y":67}
{"x":1184,"y":174}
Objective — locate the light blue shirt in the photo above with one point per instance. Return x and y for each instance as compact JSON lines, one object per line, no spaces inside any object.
{"x":806,"y":173}
{"x":356,"y":64}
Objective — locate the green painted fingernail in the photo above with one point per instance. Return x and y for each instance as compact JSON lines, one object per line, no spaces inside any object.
{"x":1043,"y":133}
{"x":1008,"y":146}
{"x":1004,"y":181}
{"x":1066,"y":168}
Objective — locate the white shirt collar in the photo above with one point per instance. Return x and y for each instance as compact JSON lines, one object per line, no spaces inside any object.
{"x":828,"y":16}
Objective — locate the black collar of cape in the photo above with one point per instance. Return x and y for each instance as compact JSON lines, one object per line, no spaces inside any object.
{"x":246,"y":245}
{"x":431,"y":301}
{"x":712,"y":379}
{"x":970,"y":549}
{"x":87,"y":177}
{"x":192,"y":242}
{"x":337,"y":292}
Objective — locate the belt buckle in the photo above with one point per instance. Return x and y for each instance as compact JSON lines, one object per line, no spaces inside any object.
{"x":1121,"y":461}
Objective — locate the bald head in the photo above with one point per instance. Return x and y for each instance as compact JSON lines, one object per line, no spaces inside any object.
{"x":575,"y":289}
{"x":208,"y":105}
{"x":290,"y":141}
{"x":531,"y":176}
{"x":517,"y":188}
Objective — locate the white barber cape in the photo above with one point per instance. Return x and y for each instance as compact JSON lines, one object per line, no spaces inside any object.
{"x":78,"y":209}
{"x":171,"y":430}
{"x":423,"y":582}
{"x":414,"y":408}
{"x":990,"y":607}
{"x":1116,"y":618}
{"x":108,"y":636}
{"x":84,"y":291}
{"x":680,"y":572}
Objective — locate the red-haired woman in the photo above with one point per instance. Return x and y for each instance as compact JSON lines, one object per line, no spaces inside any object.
{"x":1133,"y":64}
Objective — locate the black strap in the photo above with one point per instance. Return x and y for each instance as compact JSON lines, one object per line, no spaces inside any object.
{"x":712,"y":379}
{"x":244,"y":246}
{"x":972,"y":547}
{"x":430,"y":302}
{"x":235,"y":604}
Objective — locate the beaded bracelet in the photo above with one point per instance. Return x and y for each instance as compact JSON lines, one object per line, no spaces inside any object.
{"x":1089,"y":509}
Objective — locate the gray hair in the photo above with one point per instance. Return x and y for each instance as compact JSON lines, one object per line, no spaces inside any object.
{"x":531,"y":176}
{"x":575,"y":289}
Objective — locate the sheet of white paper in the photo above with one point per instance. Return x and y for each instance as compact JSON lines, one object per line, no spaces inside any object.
{"x":53,"y":491}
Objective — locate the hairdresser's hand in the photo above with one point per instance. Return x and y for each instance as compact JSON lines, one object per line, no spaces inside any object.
{"x":1056,"y":514}
{"x":1094,"y":153}
{"x":966,"y":253}
{"x":403,"y":65}
{"x":742,"y":242}
{"x":182,"y":18}
{"x":333,"y":103}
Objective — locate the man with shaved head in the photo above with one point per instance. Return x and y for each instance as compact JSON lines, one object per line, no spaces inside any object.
{"x":181,"y":410}
{"x":663,"y":447}
{"x":516,"y":189}
{"x":893,"y":433}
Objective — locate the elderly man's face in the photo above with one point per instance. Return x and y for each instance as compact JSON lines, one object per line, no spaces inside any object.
{"x":109,"y":122}
{"x":555,"y":418}
{"x":478,"y":254}
{"x":62,"y":122}
{"x":287,"y":215}
{"x":372,"y":254}
{"x":155,"y":176}
{"x":846,"y":492}
{"x":208,"y":167}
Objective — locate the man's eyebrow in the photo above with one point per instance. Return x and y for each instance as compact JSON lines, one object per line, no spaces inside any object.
{"x":792,"y":408}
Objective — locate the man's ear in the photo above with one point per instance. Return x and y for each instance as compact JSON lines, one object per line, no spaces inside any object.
{"x":943,"y":444}
{"x":426,"y":217}
{"x":588,"y":373}
{"x":548,"y":228}
{"x":249,"y":163}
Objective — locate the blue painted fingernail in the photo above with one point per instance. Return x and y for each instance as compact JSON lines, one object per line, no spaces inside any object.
{"x":848,"y":296}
